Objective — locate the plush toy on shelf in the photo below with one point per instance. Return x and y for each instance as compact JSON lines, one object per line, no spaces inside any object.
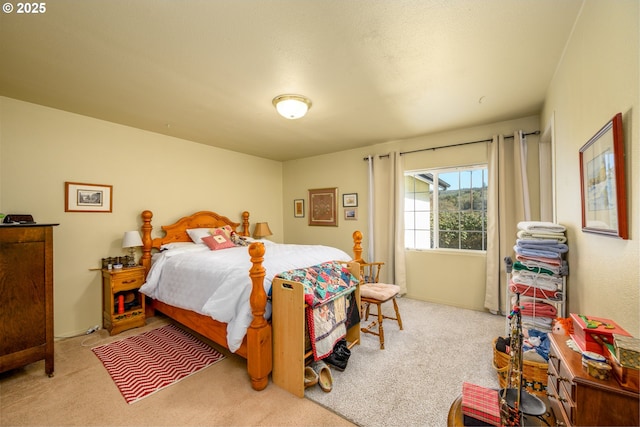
{"x":562,"y":326}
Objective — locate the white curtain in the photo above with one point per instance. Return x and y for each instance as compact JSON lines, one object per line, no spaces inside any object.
{"x":372,"y":198}
{"x":507,"y":204}
{"x":546,"y":181}
{"x":387,"y":218}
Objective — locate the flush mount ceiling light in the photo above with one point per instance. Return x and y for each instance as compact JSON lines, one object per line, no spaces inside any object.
{"x":292,"y":106}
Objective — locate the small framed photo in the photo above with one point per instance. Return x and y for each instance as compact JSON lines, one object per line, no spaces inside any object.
{"x":298,"y":208}
{"x":351,"y":214}
{"x":80,"y":197}
{"x":350,"y":200}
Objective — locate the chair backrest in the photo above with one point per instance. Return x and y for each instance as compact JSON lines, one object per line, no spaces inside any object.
{"x":370,"y":271}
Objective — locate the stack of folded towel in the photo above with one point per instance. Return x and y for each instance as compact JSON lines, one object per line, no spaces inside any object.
{"x":538,"y":270}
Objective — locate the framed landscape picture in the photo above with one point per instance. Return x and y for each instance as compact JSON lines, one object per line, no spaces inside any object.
{"x":350,"y":200}
{"x":81,"y":197}
{"x":602,"y":182}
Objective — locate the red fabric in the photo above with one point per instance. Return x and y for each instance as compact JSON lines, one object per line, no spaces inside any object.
{"x":538,"y":309}
{"x":481,"y":403}
{"x":218,"y":240}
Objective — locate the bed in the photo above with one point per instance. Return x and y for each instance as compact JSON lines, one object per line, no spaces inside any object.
{"x":255,"y":343}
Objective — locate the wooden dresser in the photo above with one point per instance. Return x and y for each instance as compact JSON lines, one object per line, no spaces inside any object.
{"x":582,"y":400}
{"x":26,"y":295}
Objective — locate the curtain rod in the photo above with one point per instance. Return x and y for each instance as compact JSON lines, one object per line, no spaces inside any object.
{"x":537,"y":132}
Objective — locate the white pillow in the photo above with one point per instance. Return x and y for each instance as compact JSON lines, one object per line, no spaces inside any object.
{"x":175,"y":245}
{"x":196,"y":234}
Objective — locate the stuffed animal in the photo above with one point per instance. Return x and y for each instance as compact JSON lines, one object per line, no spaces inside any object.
{"x":562,"y":326}
{"x":237,"y":240}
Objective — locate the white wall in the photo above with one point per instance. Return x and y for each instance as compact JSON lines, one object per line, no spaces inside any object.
{"x":597,"y":78}
{"x":41,"y":148}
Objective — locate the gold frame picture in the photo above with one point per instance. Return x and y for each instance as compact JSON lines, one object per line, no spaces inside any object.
{"x":323,"y":207}
{"x":81,"y":197}
{"x":602,"y":182}
{"x":298,"y":208}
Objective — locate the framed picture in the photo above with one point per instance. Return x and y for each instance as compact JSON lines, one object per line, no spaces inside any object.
{"x":602,"y":182}
{"x":351,"y":214}
{"x":350,"y":200}
{"x":298,"y":208}
{"x":323,"y":206}
{"x":80,"y":197}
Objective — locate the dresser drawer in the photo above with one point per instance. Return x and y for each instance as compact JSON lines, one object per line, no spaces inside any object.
{"x":127,"y":280}
{"x":559,"y":410}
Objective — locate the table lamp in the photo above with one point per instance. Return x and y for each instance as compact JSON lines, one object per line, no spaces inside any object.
{"x":261,"y":230}
{"x":131,"y":240}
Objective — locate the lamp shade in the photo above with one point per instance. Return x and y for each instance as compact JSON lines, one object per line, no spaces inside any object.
{"x":292,"y":106}
{"x":131,"y":239}
{"x":261,"y":230}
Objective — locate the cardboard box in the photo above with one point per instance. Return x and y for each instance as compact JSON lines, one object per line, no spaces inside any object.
{"x":481,"y":403}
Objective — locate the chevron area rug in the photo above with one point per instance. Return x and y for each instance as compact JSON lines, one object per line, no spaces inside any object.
{"x":144,"y":364}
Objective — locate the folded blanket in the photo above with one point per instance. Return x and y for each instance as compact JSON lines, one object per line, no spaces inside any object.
{"x":536,"y":279}
{"x":539,"y":323}
{"x":539,"y":309}
{"x":536,"y":267}
{"x":533,"y":252}
{"x":545,"y":245}
{"x":549,"y":261}
{"x":558,"y":237}
{"x":533,"y":291}
{"x":541,"y":226}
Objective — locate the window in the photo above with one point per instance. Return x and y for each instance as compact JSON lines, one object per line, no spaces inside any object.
{"x":446,"y":208}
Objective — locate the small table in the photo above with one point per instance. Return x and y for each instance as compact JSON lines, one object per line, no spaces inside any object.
{"x":123,"y":283}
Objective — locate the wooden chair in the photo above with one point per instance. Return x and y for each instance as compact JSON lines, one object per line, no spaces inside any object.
{"x":373,"y":292}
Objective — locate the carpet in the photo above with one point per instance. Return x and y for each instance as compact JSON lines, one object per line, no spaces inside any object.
{"x":420,"y":373}
{"x":144,"y":364}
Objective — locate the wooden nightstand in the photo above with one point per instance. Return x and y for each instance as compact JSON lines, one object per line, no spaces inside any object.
{"x":123,"y":283}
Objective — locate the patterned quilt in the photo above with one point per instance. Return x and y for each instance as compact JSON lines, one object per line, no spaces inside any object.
{"x":325,"y":289}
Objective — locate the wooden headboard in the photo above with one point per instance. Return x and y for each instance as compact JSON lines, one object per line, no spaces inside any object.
{"x":177,"y":232}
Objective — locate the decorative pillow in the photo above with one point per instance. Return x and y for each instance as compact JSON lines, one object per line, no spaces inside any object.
{"x":218,"y":240}
{"x":196,"y":234}
{"x":226,"y":229}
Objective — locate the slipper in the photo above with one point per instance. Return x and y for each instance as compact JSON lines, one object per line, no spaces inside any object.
{"x":310,"y":377}
{"x":325,"y":380}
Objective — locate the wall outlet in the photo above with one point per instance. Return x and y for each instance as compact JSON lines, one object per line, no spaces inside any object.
{"x":93,"y":329}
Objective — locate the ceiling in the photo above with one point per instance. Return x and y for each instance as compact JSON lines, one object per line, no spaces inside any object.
{"x":206,"y":70}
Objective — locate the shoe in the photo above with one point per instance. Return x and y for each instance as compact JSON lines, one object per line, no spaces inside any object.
{"x":336,"y":361}
{"x":310,"y":377}
{"x":325,"y":380}
{"x":342,"y":349}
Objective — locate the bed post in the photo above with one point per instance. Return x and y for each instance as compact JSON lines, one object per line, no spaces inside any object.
{"x":245,"y":224}
{"x":357,"y":247}
{"x":145,"y":260}
{"x":259,"y":342}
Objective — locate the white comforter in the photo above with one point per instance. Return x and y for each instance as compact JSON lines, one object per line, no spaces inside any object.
{"x":217,"y":283}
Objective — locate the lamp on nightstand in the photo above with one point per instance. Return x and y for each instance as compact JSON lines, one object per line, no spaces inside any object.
{"x":131,"y":240}
{"x":261,"y":230}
